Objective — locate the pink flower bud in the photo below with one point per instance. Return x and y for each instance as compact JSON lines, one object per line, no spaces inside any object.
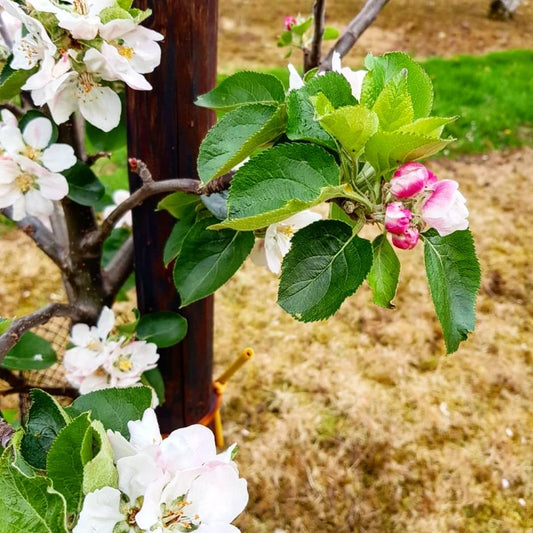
{"x":289,"y":22}
{"x":445,"y":209}
{"x":397,"y":218}
{"x":407,"y":239}
{"x":409,"y":179}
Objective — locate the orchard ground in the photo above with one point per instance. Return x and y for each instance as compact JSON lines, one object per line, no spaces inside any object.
{"x":361,"y":423}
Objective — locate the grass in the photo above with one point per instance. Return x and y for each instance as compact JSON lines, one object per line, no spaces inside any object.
{"x":492,"y":96}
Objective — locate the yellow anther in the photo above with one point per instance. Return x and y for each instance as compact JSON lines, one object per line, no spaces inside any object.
{"x":125,"y":51}
{"x":24,"y":182}
{"x":125,"y":365}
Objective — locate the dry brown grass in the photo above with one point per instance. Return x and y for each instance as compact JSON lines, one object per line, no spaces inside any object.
{"x":361,"y":423}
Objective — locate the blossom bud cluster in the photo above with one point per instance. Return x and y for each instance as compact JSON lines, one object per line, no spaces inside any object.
{"x":29,"y":167}
{"x":79,"y":49}
{"x":97,"y":361}
{"x":419,"y":199}
{"x":173,"y":484}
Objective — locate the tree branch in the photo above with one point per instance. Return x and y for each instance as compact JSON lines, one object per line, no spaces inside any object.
{"x":43,"y":238}
{"x":39,"y":317}
{"x":312,"y":58}
{"x":354,"y":30}
{"x":118,"y":270}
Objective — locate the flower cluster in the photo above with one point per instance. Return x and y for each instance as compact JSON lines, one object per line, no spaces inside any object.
{"x":98,"y":361}
{"x":419,"y":200}
{"x":79,"y":49}
{"x":29,"y":166}
{"x":173,"y":484}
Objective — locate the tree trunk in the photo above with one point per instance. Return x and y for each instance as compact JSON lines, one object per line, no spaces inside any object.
{"x":165,"y":129}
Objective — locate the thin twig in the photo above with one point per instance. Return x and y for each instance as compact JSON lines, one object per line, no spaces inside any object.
{"x":218,"y":184}
{"x":118,"y":270}
{"x":354,"y":30}
{"x":147,"y":190}
{"x":91,"y":159}
{"x":39,"y":317}
{"x":312,"y":59}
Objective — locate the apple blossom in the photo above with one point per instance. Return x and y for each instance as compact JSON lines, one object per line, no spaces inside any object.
{"x":407,"y":240}
{"x":445,"y":209}
{"x":397,"y":218}
{"x":100,"y":512}
{"x":29,"y":188}
{"x":277,"y":242}
{"x":34,"y":143}
{"x":409,"y":180}
{"x":295,"y":80}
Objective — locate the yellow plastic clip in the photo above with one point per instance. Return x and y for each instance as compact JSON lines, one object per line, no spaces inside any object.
{"x":219,"y":386}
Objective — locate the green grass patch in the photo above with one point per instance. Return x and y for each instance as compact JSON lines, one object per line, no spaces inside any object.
{"x":492,"y":96}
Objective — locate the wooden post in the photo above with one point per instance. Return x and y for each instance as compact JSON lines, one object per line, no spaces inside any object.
{"x":165,"y":129}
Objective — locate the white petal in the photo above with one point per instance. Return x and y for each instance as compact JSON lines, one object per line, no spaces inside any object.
{"x":188,"y":447}
{"x":135,"y":473}
{"x":101,"y":107}
{"x":100,"y":512}
{"x":37,"y":204}
{"x":145,"y":433}
{"x":106,"y":321}
{"x":8,"y":118}
{"x":81,"y":334}
{"x":38,"y":132}
{"x":11,"y":139}
{"x":295,"y":80}
{"x":19,"y":208}
{"x":336,"y":62}
{"x":121,"y":447}
{"x":58,"y":157}
{"x":64,"y":101}
{"x":9,"y":170}
{"x":53,"y":186}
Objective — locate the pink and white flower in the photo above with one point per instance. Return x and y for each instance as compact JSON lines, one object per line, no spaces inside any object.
{"x":288,"y":22}
{"x":409,"y":180}
{"x":397,"y":218}
{"x":271,"y":250}
{"x":445,"y":209}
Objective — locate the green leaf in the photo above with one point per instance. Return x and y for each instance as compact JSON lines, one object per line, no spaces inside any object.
{"x":352,"y":126}
{"x":429,"y":126}
{"x":163,"y":328}
{"x":11,"y":81}
{"x":239,"y":133}
{"x":153,"y":378}
{"x":83,"y":185}
{"x":301,"y":123}
{"x":28,"y":504}
{"x":244,"y":88}
{"x":114,"y":12}
{"x":100,"y":471}
{"x":178,"y":204}
{"x":300,"y":29}
{"x":69,"y":453}
{"x":454,"y":278}
{"x":45,"y":421}
{"x":386,"y":150}
{"x":280,"y":182}
{"x":327,"y":262}
{"x":5,"y":323}
{"x":383,"y":69}
{"x":178,"y":233}
{"x":385,"y":271}
{"x":114,"y":407}
{"x":285,"y":39}
{"x":30,"y":353}
{"x":208,"y":259}
{"x":393,"y":106}
{"x":330,"y":33}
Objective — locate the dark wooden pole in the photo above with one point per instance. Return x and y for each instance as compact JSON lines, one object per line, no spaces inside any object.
{"x":165,"y":129}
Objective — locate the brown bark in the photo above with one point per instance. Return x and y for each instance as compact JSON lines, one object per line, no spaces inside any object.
{"x":165,"y":129}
